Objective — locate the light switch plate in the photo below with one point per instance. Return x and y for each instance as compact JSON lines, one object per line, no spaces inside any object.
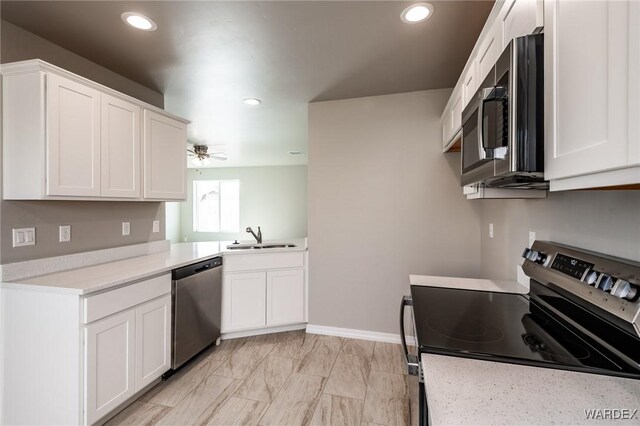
{"x":64,"y":232}
{"x":24,"y":237}
{"x":156,"y":226}
{"x":126,"y":228}
{"x":491,"y":230}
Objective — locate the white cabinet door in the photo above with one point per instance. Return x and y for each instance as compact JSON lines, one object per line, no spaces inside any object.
{"x":470,"y":82}
{"x":120,"y":148}
{"x":456,"y":112}
{"x":165,"y":157}
{"x":153,"y":337}
{"x":520,"y":17}
{"x":586,"y":87}
{"x":285,"y":297}
{"x":73,"y":138}
{"x":490,"y":49}
{"x":109,"y":364}
{"x":244,"y":296}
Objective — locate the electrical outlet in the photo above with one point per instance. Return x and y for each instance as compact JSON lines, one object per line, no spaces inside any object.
{"x":24,"y":237}
{"x":491,"y":230}
{"x":156,"y":226}
{"x":532,"y":238}
{"x":126,"y":228}
{"x":64,"y":233}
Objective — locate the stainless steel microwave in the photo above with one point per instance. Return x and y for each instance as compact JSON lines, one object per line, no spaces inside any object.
{"x":503,"y":125}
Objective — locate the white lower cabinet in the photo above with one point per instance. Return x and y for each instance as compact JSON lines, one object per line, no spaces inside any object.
{"x":125,"y":350}
{"x":109,"y":364}
{"x":245,"y":298}
{"x":263,"y":290}
{"x":153,"y":341}
{"x":285,"y":297}
{"x":73,"y":359}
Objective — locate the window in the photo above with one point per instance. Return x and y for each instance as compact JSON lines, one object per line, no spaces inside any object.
{"x":216,"y":205}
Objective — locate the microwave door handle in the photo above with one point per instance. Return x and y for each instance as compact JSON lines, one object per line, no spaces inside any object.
{"x":413,"y":363}
{"x":484,"y":96}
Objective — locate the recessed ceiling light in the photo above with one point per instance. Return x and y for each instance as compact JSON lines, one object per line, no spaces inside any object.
{"x":417,"y":12}
{"x":296,"y":152}
{"x":139,"y":21}
{"x":252,"y":101}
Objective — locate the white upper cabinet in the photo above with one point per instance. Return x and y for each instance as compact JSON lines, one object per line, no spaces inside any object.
{"x":470,"y":81}
{"x":73,"y":138}
{"x":508,"y":19}
{"x":519,"y":18}
{"x":591,"y":94}
{"x":68,"y":138}
{"x":120,"y":148}
{"x":489,"y":52}
{"x":164,"y":141}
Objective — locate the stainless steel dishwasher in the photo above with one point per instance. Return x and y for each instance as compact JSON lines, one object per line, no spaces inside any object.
{"x":197,"y":304}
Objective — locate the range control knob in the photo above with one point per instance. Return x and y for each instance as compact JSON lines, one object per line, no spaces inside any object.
{"x":541,"y":258}
{"x":624,"y":290}
{"x":605,"y":283}
{"x":591,"y":277}
{"x":526,"y":252}
{"x":534,"y":256}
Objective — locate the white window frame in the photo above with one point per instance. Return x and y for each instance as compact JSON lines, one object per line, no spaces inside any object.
{"x":196,"y":205}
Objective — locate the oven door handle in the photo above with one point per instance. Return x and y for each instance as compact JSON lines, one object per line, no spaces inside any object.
{"x":413,"y":362}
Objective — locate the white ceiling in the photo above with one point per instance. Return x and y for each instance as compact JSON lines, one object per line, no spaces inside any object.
{"x":207,"y":56}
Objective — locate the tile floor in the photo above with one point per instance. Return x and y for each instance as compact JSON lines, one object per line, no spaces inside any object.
{"x":284,"y":379}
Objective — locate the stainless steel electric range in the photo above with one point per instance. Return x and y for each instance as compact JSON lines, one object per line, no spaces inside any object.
{"x":582,"y":313}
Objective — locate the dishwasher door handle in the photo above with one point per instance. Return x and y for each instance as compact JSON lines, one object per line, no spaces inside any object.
{"x":203,"y":268}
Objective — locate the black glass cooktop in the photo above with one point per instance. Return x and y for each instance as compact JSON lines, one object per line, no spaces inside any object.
{"x":505,"y":327}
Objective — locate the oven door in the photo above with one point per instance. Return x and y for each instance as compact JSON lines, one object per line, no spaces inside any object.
{"x":484,"y":134}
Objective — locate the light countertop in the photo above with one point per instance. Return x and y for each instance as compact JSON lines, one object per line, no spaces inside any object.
{"x":91,"y":279}
{"x":466,"y":391}
{"x":469,"y":284}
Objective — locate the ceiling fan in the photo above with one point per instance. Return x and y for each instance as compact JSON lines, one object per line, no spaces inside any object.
{"x":201,"y":156}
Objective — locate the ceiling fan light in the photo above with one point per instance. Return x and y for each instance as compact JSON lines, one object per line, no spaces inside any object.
{"x":200,"y":161}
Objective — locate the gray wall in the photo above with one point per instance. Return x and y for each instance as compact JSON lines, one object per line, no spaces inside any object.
{"x":384,"y":202}
{"x":94,"y":225}
{"x":602,"y":221}
{"x":274,"y":198}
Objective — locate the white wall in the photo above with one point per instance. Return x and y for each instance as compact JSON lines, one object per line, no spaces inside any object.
{"x":384,"y":202}
{"x":274,"y":198}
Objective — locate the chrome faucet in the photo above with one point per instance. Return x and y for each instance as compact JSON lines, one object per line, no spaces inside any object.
{"x":257,"y":237}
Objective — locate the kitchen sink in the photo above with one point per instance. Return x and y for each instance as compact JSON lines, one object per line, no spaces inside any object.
{"x":258,"y":246}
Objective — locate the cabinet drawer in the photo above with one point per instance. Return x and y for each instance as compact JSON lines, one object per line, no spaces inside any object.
{"x":110,"y":302}
{"x":266,"y":261}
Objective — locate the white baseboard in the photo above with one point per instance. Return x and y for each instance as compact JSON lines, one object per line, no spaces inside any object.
{"x":258,"y":331}
{"x":358,"y":334}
